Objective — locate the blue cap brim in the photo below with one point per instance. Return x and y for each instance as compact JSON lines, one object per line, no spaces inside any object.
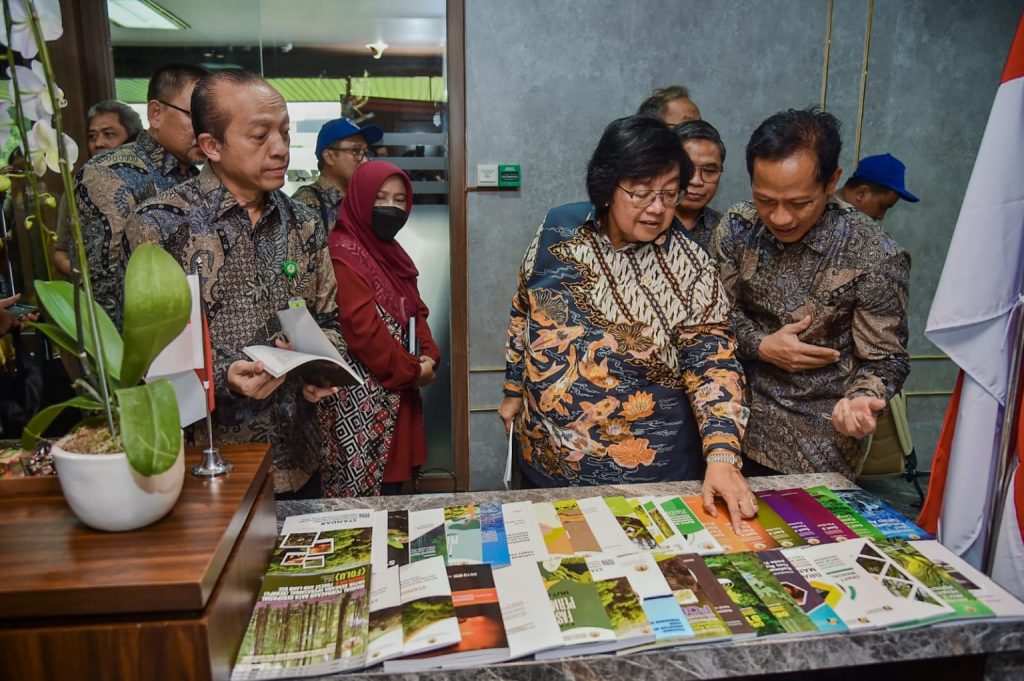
{"x":906,"y":196}
{"x":373,"y":134}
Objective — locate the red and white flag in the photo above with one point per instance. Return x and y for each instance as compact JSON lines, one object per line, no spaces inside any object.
{"x":974,"y":318}
{"x":186,"y":362}
{"x":205,"y":373}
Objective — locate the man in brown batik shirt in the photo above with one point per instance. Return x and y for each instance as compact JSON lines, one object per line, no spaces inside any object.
{"x":819,"y":298}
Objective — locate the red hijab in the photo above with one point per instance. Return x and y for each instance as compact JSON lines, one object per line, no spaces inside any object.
{"x":385,"y":265}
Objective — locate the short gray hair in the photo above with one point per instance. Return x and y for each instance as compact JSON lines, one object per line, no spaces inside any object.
{"x":655,"y":105}
{"x":130,"y":120}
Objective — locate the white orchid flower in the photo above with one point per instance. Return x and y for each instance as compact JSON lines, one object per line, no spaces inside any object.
{"x":50,"y":22}
{"x":42,"y":141}
{"x":35,"y":98}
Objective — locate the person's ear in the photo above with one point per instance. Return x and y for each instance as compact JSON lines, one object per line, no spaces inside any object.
{"x":830,"y":186}
{"x":863,"y":193}
{"x":209,"y":146}
{"x":153,"y":113}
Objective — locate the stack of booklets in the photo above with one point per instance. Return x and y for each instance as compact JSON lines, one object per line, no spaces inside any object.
{"x":478,"y":584}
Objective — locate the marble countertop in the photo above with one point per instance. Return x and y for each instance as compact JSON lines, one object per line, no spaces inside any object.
{"x":420,"y":501}
{"x":768,"y":656}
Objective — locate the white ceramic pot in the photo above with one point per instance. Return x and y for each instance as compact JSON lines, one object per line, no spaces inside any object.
{"x":106,"y":493}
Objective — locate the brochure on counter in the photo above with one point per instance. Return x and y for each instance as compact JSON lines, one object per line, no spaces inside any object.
{"x":473,"y":585}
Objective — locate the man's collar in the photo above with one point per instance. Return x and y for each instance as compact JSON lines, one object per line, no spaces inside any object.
{"x":326,"y":185}
{"x":162,"y":159}
{"x":221,"y":200}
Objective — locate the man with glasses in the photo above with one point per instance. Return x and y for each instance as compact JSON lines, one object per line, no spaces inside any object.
{"x":819,"y":301}
{"x":704,"y":146}
{"x":340,"y":147}
{"x":110,"y":186}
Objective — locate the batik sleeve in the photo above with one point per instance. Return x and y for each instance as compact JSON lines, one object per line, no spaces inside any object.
{"x":880,"y":329}
{"x":104,"y":204}
{"x":726,"y":252}
{"x":519,"y":324}
{"x":714,"y":385}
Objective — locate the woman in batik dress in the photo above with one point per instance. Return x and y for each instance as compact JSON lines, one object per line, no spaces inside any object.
{"x":621,"y":364}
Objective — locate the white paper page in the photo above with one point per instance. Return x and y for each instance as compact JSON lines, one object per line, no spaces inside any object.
{"x":508,"y":460}
{"x":379,"y":545}
{"x":525,"y":540}
{"x":305,"y":335}
{"x":191,"y":396}
{"x":530,"y":624}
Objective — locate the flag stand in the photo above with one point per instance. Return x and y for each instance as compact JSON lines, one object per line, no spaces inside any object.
{"x":1004,"y":467}
{"x":212,"y":464}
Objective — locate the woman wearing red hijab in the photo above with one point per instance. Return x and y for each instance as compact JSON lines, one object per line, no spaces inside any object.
{"x":374,"y":433}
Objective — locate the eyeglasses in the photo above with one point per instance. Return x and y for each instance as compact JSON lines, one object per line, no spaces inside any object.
{"x":645,"y":197}
{"x":176,"y":108}
{"x":709,"y":174}
{"x":358,"y":153}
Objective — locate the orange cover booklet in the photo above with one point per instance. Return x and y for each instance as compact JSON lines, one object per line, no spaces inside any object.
{"x":752,"y":538}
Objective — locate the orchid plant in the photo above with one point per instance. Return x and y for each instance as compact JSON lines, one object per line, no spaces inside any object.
{"x":141,"y":419}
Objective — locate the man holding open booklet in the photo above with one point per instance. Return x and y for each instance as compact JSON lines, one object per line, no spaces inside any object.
{"x":257,"y":252}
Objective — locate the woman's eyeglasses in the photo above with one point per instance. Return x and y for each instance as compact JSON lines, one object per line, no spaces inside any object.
{"x":642,"y":198}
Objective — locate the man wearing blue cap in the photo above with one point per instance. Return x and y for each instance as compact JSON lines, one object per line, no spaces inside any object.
{"x":876,"y":185}
{"x":340,"y":147}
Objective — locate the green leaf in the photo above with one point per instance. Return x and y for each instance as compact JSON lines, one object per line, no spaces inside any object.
{"x":150,"y":429}
{"x":58,"y":299}
{"x":157,"y":303}
{"x":44,"y":417}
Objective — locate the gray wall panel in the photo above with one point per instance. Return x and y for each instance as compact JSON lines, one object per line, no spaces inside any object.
{"x":543,"y":78}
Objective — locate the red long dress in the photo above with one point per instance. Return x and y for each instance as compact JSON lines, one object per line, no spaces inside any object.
{"x":389,"y":362}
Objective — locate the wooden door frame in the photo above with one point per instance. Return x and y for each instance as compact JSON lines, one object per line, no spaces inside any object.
{"x":455,"y":16}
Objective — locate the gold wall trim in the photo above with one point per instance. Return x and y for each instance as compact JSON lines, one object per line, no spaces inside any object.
{"x":828,"y":54}
{"x":863,"y":81}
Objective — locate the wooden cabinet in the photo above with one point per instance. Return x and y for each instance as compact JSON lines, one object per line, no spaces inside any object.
{"x":171,"y":600}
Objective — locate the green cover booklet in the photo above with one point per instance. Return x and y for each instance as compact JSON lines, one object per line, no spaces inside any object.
{"x":758,"y":615}
{"x":307,"y":624}
{"x":695,"y":589}
{"x":949,"y":590}
{"x":845,"y":512}
{"x":576,"y":601}
{"x":773,"y":594}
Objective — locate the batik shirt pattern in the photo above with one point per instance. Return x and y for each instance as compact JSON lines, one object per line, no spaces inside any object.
{"x":701,"y":232}
{"x":323,"y":197}
{"x":615,"y":352}
{"x":108,"y":188}
{"x":201,"y":224}
{"x":852,"y":279}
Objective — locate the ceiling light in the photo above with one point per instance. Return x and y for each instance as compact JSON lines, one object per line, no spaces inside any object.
{"x":377,"y":48}
{"x":143,"y":14}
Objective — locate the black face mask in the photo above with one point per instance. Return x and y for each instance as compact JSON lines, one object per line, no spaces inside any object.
{"x":387,"y":221}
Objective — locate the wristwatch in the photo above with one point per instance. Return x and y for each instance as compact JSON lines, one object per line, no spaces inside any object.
{"x":725,"y":457}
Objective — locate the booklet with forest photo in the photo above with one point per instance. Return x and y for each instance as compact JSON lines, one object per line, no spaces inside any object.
{"x":313,"y":611}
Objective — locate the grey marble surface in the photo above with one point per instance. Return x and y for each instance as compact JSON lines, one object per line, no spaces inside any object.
{"x":420,"y":501}
{"x":712,"y":661}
